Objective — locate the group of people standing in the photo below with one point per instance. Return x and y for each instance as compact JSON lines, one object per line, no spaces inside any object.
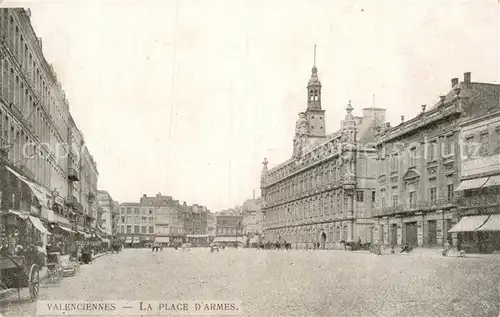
{"x":275,"y":245}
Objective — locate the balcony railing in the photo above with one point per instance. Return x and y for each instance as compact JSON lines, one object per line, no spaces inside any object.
{"x":411,"y":207}
{"x":72,"y":202}
{"x":73,"y":175}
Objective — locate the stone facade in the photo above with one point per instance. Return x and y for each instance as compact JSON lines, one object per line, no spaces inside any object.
{"x":419,"y":166}
{"x":38,"y":135}
{"x":109,"y":209}
{"x":324,"y":193}
{"x":253,"y":217}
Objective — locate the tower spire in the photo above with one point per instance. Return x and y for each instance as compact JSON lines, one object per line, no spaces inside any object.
{"x":314,"y":63}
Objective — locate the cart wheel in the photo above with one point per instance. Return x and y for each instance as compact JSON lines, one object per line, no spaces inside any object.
{"x":34,"y":282}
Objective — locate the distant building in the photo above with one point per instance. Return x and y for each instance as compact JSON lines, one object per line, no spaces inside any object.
{"x":211,"y":224}
{"x":253,"y":217}
{"x":229,"y":224}
{"x":325,"y":192}
{"x":136,"y":226}
{"x":108,"y":215}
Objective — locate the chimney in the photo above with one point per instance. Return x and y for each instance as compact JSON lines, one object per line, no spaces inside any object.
{"x":467,"y":77}
{"x":423,"y":108}
{"x":40,"y":42}
{"x":144,"y":195}
{"x":254,"y":194}
{"x":387,"y":125}
{"x":454,"y":82}
{"x":402,"y":118}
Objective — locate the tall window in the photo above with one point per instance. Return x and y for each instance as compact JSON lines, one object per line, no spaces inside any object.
{"x":151,"y":230}
{"x":413,"y":199}
{"x":143,"y":229}
{"x":497,"y":140}
{"x":129,"y":229}
{"x":469,"y":147}
{"x":395,"y":199}
{"x":394,"y":162}
{"x":413,"y":157}
{"x":382,"y":197}
{"x":450,"y":193}
{"x":129,"y":210}
{"x":374,"y":193}
{"x":449,"y":148}
{"x":433,"y":195}
{"x":484,"y":141}
{"x":432,"y":151}
{"x":136,"y":229}
{"x":360,"y":196}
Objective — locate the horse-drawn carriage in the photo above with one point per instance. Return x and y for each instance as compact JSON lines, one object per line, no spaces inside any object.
{"x":18,"y":272}
{"x":116,"y":246}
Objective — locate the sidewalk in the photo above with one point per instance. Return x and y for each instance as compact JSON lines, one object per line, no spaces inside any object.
{"x":42,"y":275}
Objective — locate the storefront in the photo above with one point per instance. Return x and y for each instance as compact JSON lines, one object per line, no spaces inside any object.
{"x":128,"y":242}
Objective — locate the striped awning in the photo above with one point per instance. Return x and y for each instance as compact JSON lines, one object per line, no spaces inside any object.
{"x":471,"y":183}
{"x":469,"y":223}
{"x":128,"y":240}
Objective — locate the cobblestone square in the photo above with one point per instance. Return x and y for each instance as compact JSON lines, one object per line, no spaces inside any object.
{"x":292,"y":283}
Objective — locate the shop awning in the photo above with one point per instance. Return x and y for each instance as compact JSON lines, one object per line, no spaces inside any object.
{"x":472,"y":183}
{"x":20,"y":214}
{"x":40,"y":193}
{"x":492,"y":181}
{"x":228,"y":239}
{"x":39,"y":225}
{"x":162,"y":239}
{"x":197,"y":236}
{"x":128,"y":240}
{"x":469,"y":224}
{"x":492,"y":224}
{"x":136,"y":240}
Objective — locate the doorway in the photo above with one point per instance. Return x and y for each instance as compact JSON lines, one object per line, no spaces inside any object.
{"x":394,"y":234}
{"x":411,"y":233}
{"x":432,"y":232}
{"x":323,"y":240}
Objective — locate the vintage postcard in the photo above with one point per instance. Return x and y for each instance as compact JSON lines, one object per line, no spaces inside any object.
{"x":249,"y":158}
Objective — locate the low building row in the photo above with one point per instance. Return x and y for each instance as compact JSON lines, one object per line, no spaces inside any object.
{"x":162,"y":219}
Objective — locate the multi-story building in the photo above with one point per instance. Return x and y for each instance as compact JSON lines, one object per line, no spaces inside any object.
{"x":228,"y":223}
{"x":325,"y":192}
{"x":130,"y":223}
{"x":211,"y":224}
{"x":115,"y":218}
{"x":478,"y":195}
{"x":107,"y":204}
{"x":38,"y":135}
{"x":419,"y":166}
{"x":253,"y":217}
{"x":168,"y":216}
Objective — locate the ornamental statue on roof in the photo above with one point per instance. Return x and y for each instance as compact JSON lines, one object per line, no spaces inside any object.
{"x":301,"y":133}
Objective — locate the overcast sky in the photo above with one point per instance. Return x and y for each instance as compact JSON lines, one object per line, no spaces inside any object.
{"x":186,"y":98}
